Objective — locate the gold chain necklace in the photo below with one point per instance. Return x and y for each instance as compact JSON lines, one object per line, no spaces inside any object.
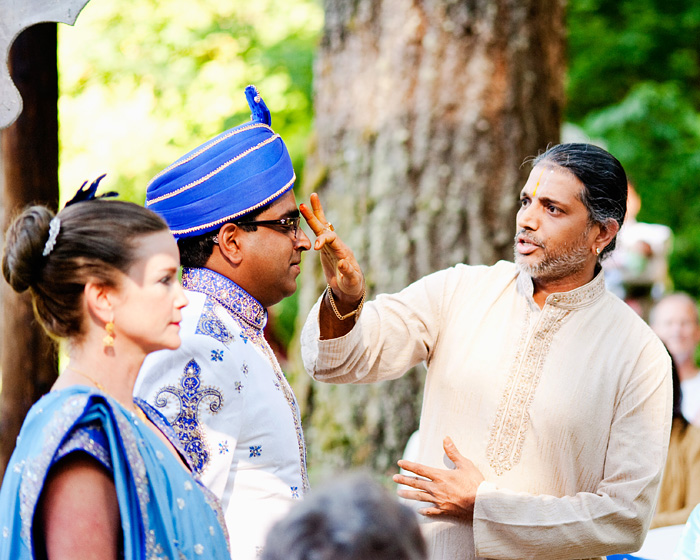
{"x":137,"y":409}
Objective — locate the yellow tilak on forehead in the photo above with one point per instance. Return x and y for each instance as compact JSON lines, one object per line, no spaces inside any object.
{"x":537,"y":184}
{"x":551,"y":170}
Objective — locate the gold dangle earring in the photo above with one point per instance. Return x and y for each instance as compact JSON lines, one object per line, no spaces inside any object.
{"x":108,"y":340}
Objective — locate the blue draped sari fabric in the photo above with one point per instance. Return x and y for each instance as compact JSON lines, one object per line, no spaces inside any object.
{"x":165,"y":512}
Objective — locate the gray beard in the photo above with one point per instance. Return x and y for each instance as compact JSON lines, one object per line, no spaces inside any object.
{"x":555,"y":266}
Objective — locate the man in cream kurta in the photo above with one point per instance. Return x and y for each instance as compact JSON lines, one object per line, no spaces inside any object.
{"x":565,"y":406}
{"x":560,"y":399}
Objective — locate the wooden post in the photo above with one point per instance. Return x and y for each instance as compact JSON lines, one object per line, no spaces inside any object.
{"x":28,"y":174}
{"x":30,"y":166}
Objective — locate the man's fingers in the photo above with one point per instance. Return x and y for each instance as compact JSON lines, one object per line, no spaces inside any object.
{"x":412,"y":481}
{"x":318,"y":208}
{"x":316,"y":225}
{"x":316,"y":205}
{"x":417,"y":468}
{"x":431,"y":512}
{"x":415,"y":495}
{"x":452,"y":452}
{"x":324,"y":238}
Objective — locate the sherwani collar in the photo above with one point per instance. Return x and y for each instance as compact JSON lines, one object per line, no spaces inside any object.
{"x":578,"y":298}
{"x":235,"y":299}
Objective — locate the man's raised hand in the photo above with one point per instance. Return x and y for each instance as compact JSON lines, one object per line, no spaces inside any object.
{"x":343,"y":273}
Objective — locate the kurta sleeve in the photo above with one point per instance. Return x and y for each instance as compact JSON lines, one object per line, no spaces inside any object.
{"x":393,"y":333}
{"x":614,"y":518}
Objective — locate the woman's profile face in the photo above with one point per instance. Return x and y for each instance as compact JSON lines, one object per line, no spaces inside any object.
{"x":148,"y":301}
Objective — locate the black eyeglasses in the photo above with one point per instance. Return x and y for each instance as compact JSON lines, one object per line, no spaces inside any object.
{"x":290,"y":225}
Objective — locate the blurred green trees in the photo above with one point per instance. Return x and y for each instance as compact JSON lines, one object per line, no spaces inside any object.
{"x":145,"y":81}
{"x":634,"y":82}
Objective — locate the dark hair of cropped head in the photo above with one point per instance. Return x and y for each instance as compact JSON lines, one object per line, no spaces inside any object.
{"x":96,"y":241}
{"x":352,"y":518}
{"x":603,"y":177}
{"x":195,"y":251}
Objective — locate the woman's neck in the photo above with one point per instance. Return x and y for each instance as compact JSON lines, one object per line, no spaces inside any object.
{"x":112,"y":370}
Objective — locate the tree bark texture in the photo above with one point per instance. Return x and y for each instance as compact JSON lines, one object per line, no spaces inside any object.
{"x":30,"y":169}
{"x":425,"y":112}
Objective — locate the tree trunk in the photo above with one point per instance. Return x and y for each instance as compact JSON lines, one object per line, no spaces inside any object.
{"x":425,"y":111}
{"x":30,"y":169}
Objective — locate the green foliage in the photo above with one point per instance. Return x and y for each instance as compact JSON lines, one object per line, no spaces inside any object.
{"x":633,"y":82}
{"x":144,"y":82}
{"x":655,"y":133}
{"x":614,"y":44}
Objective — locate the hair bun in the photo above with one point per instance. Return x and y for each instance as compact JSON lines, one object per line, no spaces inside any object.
{"x":22,"y":260}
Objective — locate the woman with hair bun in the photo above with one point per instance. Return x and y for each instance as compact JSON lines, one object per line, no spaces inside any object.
{"x":97,"y":473}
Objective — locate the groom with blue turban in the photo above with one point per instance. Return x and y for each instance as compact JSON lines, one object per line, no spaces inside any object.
{"x":229,"y":203}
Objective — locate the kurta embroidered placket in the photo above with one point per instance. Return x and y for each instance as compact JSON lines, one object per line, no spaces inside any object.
{"x":512,"y":417}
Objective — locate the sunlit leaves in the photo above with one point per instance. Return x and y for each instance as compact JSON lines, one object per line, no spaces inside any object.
{"x":145,"y":81}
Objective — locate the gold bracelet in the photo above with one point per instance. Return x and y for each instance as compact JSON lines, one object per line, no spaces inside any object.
{"x":335,"y":309}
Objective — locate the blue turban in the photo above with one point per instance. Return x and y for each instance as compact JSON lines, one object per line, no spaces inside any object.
{"x":225,"y":178}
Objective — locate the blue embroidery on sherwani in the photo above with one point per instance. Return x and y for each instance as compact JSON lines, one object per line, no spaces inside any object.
{"x":295,"y":492}
{"x":228,"y":293}
{"x":238,"y":386}
{"x":223,"y":447}
{"x":251,"y":317}
{"x":210,"y":325}
{"x":217,"y":355}
{"x":187,"y":424}
{"x":255,"y":450}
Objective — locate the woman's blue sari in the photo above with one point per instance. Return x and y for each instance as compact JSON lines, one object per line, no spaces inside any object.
{"x":165,"y":512}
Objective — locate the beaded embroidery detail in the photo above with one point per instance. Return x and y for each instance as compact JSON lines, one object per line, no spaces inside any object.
{"x":35,"y":469}
{"x":190,"y":394}
{"x":89,"y":438}
{"x":210,"y":325}
{"x":255,"y":451}
{"x":227,"y":293}
{"x":251,"y":317}
{"x":510,"y":426}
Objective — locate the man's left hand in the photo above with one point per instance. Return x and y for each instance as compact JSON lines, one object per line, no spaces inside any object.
{"x":451,"y":492}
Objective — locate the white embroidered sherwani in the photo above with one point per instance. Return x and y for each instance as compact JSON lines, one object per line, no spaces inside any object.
{"x":566,"y":410}
{"x":227,"y":398}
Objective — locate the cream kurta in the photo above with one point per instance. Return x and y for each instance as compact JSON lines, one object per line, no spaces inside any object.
{"x":566,"y":410}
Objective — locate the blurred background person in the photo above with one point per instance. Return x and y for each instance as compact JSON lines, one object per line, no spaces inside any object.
{"x":351,"y":518}
{"x":637,"y":270}
{"x":680,"y":485}
{"x":675,"y":320}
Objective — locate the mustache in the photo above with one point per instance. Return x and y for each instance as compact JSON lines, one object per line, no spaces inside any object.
{"x":522,"y":234}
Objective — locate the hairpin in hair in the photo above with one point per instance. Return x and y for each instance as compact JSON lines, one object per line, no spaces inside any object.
{"x":54,"y":228}
{"x":88,"y":193}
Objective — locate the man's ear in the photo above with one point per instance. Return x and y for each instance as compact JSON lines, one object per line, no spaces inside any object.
{"x":99,"y":301}
{"x":231,"y":240}
{"x":608,"y":231}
